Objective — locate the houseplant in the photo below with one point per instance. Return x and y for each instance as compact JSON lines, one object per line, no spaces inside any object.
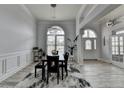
{"x":72,"y":45}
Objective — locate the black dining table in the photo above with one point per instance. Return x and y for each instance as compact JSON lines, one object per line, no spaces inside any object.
{"x":61,"y":59}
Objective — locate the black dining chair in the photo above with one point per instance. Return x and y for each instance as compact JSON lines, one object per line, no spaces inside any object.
{"x":52,"y":67}
{"x":65,"y":64}
{"x":40,"y":65}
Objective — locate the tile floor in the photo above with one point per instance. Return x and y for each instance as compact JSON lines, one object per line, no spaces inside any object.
{"x":98,"y":74}
{"x":103,"y":75}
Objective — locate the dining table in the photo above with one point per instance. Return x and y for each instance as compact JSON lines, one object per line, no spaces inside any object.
{"x":61,"y":59}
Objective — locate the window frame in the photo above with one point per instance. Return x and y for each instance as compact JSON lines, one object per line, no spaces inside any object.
{"x":116,"y":46}
{"x":56,"y":35}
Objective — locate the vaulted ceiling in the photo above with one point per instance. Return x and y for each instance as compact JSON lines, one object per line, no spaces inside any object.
{"x":62,"y":11}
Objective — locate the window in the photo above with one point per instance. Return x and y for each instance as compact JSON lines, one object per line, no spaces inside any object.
{"x":88,"y":45}
{"x":55,"y":40}
{"x":120,"y":32}
{"x":117,"y":48}
{"x":94,"y":44}
{"x":90,"y":39}
{"x":89,"y":34}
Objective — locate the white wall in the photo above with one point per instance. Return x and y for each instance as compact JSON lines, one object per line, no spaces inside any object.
{"x":68,"y":26}
{"x":107,"y":32}
{"x":17,"y":37}
{"x":17,"y":29}
{"x":106,"y":49}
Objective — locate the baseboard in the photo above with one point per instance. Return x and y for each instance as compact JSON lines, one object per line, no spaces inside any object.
{"x":115,"y":63}
{"x":105,"y":60}
{"x":90,"y":60}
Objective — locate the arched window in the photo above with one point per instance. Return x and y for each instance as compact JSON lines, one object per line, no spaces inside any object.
{"x":120,"y":32}
{"x":55,"y":40}
{"x":88,"y":33}
{"x":90,"y":39}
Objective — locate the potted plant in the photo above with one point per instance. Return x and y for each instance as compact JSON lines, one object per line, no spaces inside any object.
{"x":72,"y":45}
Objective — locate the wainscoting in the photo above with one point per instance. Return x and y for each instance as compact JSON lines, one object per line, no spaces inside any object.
{"x":10,"y":63}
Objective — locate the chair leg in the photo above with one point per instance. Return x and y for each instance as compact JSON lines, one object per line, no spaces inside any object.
{"x":66,"y":71}
{"x":58,"y":78}
{"x":47,"y":77}
{"x":35,"y":72}
{"x":62,"y":73}
{"x":43,"y":73}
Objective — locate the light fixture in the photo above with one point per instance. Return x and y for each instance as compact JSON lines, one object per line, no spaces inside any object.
{"x":53,"y":5}
{"x":54,"y":10}
{"x":110,"y":23}
{"x":52,"y":28}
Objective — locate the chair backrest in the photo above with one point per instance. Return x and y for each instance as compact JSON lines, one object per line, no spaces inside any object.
{"x":53,"y":61}
{"x":66,"y":56}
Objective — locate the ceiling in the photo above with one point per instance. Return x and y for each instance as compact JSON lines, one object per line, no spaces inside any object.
{"x":62,"y":11}
{"x":115,"y":13}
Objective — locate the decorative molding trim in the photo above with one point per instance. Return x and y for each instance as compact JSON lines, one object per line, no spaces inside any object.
{"x":14,"y":53}
{"x":27,"y":10}
{"x":13,"y":62}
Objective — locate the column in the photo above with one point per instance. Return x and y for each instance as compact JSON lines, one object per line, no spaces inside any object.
{"x":80,"y":48}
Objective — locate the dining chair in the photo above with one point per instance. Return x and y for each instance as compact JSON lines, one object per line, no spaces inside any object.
{"x":65,"y":64}
{"x":52,"y":67}
{"x":40,"y":65}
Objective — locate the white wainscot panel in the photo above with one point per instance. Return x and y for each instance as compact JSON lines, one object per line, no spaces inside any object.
{"x":11,"y":63}
{"x":23,"y":60}
{"x":28,"y":58}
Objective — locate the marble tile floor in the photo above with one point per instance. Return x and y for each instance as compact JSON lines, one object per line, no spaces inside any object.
{"x":98,"y":74}
{"x":103,"y":75}
{"x":17,"y":77}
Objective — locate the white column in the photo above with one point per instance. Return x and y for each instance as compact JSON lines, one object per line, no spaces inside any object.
{"x":80,"y":48}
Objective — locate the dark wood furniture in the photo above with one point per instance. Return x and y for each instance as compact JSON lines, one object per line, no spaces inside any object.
{"x":65,"y":64}
{"x":52,"y":66}
{"x":60,"y":61}
{"x":40,"y":66}
{"x":44,"y":62}
{"x":35,"y":54}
